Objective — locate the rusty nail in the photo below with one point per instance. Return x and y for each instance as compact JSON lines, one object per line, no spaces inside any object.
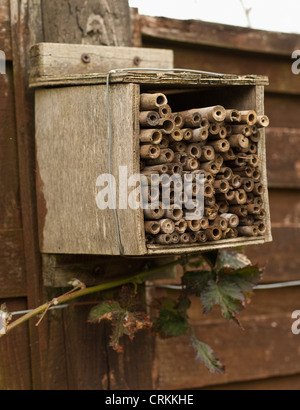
{"x":137,"y":60}
{"x":86,"y":58}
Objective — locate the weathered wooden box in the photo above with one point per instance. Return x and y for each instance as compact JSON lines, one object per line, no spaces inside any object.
{"x":72,"y":150}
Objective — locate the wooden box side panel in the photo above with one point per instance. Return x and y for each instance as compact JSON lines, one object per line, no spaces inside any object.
{"x":72,"y":152}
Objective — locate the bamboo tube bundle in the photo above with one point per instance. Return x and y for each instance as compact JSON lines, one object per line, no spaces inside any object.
{"x":223,"y":145}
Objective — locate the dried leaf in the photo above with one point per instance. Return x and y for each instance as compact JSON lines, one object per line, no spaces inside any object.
{"x":207,"y":356}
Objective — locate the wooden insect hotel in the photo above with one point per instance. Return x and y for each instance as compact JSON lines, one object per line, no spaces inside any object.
{"x":156,"y":125}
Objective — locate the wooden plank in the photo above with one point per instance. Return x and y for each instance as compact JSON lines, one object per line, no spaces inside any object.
{"x":281,"y":257}
{"x":267,"y":339}
{"x":199,"y":32}
{"x":69,"y":219}
{"x":283,"y":152}
{"x":100,"y":22}
{"x":272,"y":384}
{"x":282,"y":110}
{"x":49,"y":59}
{"x":285,"y":208}
{"x":5,"y":32}
{"x":15,"y":371}
{"x":10,"y":214}
{"x":12,"y":272}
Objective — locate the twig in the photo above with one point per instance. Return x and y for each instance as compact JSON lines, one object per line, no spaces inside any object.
{"x":67,"y":297}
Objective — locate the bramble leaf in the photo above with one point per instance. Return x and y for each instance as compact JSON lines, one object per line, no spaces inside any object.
{"x":172,"y":319}
{"x":231,"y":260}
{"x":207,"y":356}
{"x":196,"y":281}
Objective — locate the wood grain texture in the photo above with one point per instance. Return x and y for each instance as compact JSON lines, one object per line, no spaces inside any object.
{"x":93,"y":22}
{"x":50,"y":59}
{"x":5,"y":31}
{"x":69,"y":166}
{"x":219,"y":35}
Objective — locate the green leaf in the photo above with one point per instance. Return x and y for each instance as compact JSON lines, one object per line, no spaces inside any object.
{"x":228,"y":295}
{"x":207,"y":356}
{"x":196,"y":281}
{"x":231,"y":260}
{"x":245,"y":278}
{"x":105,"y":310}
{"x":172,"y":319}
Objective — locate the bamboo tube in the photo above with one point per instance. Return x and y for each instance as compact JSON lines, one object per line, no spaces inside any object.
{"x":208,"y":177}
{"x":219,"y":160}
{"x":225,"y":173}
{"x":154,"y":214}
{"x":238,"y":141}
{"x":194,"y":150}
{"x":242,"y":129}
{"x":175,"y":237}
{"x":193,"y":214}
{"x":184,"y":238}
{"x":220,"y":222}
{"x":194,"y":225}
{"x":201,"y":237}
{"x":250,"y":197}
{"x":233,"y":116}
{"x":210,"y":201}
{"x":261,"y":215}
{"x":255,"y":137}
{"x":246,"y":172}
{"x":223,"y":207}
{"x":150,"y":239}
{"x":166,"y":226}
{"x":148,"y":151}
{"x":210,"y":166}
{"x":214,"y":128}
{"x":258,"y":200}
{"x":163,"y":239}
{"x":165,"y":142}
{"x":193,"y":237}
{"x":230,"y":233}
{"x":220,"y":145}
{"x":211,"y":212}
{"x":221,"y":186}
{"x":191,"y":164}
{"x":261,"y":227}
{"x":246,"y":220}
{"x":258,"y":189}
{"x":199,"y":134}
{"x":178,"y":120}
{"x":252,"y":147}
{"x":228,"y":128}
{"x":149,"y":119}
{"x":192,"y":118}
{"x":238,"y":210}
{"x":208,"y":190}
{"x":223,"y":132}
{"x":229,"y":155}
{"x":178,"y":146}
{"x":204,"y":223}
{"x":253,"y":208}
{"x":216,"y":113}
{"x":166,"y":155}
{"x":180,"y":158}
{"x":165,"y":111}
{"x":204,"y":123}
{"x":247,"y":230}
{"x":161,"y":169}
{"x":253,"y":160}
{"x":152,"y":227}
{"x":152,"y":136}
{"x":240,"y":197}
{"x":181,"y":226}
{"x":214,"y":233}
{"x":174,"y":213}
{"x":150,"y":195}
{"x":235,"y":181}
{"x":174,"y":168}
{"x":149,"y":178}
{"x":176,"y":135}
{"x":239,"y":162}
{"x":232,"y":219}
{"x":262,"y":121}
{"x":247,"y":184}
{"x":187,"y":134}
{"x":208,"y":153}
{"x":167,"y":125}
{"x":248,"y":117}
{"x":152,"y":101}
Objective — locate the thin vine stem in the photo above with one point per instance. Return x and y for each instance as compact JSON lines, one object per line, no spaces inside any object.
{"x":136,"y":279}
